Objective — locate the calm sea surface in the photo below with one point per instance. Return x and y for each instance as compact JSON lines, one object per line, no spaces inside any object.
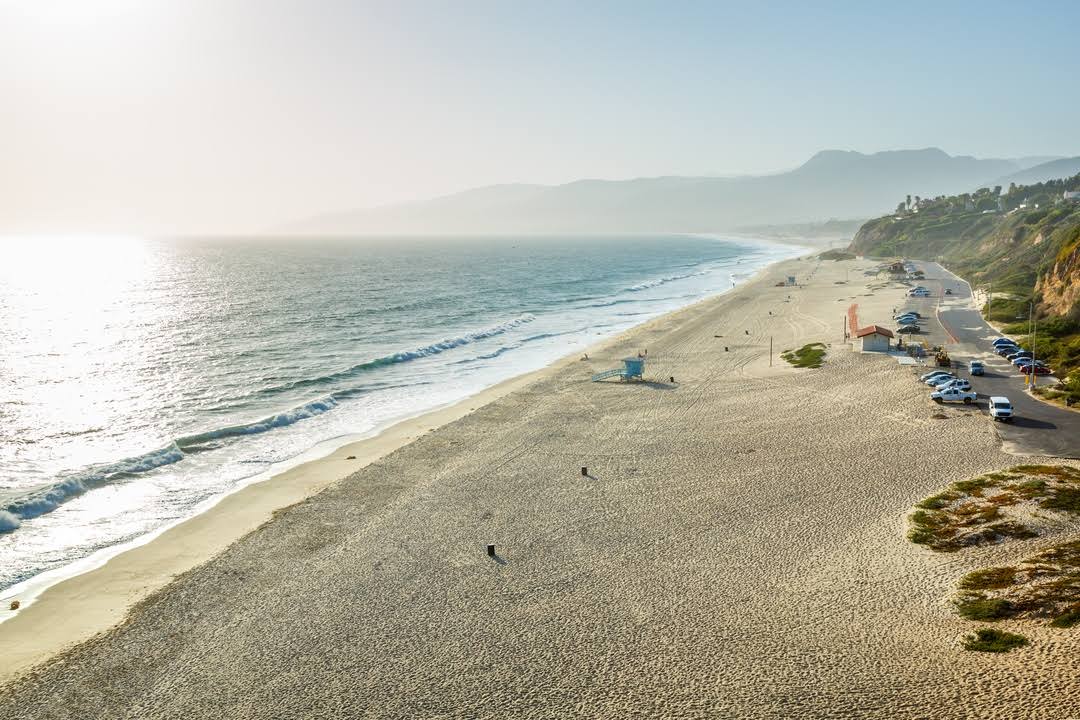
{"x":141,"y":379}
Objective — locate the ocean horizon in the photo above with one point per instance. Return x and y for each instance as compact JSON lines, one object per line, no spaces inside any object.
{"x":148,"y":377}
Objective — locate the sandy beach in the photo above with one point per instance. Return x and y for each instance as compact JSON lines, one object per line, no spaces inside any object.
{"x":737,"y":549}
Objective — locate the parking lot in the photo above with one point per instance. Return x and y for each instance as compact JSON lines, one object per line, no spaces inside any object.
{"x":953,"y":321}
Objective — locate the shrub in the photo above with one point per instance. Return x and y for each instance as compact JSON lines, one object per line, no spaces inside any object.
{"x":974,"y":606}
{"x":1066,"y":498}
{"x":995,"y":641}
{"x":808,"y":356}
{"x":989,"y":579}
{"x":1069,"y":618}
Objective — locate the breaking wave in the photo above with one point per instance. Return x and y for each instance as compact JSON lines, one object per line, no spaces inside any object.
{"x":45,"y":499}
{"x":665,"y":280}
{"x":406,"y":356}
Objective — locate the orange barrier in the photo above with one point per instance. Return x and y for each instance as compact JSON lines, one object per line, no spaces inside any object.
{"x":853,"y":319}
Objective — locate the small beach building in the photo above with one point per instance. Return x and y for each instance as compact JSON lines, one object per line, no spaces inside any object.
{"x":873,"y":338}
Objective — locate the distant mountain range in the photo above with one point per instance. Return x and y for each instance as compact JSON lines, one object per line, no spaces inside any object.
{"x":1052,"y":170}
{"x":832,"y":184}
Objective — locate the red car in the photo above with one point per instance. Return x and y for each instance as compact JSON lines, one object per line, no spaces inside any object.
{"x":1039,"y":370}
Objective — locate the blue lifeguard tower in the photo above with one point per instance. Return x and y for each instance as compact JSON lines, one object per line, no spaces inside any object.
{"x":632,"y":369}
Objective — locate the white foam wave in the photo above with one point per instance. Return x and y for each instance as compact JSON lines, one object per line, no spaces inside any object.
{"x":44,"y":499}
{"x":283,"y":419}
{"x":9,"y":521}
{"x":665,"y":280}
{"x":450,"y":343}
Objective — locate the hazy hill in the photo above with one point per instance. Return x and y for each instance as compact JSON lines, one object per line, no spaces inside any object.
{"x":1058,"y":168}
{"x":1033,"y":160}
{"x":833,"y":183}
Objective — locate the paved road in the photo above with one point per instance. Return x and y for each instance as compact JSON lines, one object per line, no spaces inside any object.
{"x":953,"y":321}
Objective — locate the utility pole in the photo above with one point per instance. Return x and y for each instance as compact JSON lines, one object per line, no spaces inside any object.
{"x":989,"y":299}
{"x":1034,"y":337}
{"x":770,"y":351}
{"x":1031,"y":305}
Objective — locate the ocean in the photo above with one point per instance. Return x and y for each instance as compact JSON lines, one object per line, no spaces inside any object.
{"x":142,"y":379}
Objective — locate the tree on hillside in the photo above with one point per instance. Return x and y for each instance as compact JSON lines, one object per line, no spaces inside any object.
{"x":900,"y":208}
{"x":908,"y":202}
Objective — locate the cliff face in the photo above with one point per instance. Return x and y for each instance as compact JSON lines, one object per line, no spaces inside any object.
{"x":1007,"y":250}
{"x":1059,"y":288}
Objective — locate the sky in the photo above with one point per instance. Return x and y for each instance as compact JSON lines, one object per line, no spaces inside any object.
{"x":236,"y":116}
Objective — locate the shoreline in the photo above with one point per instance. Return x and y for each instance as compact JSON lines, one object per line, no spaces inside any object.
{"x":102,"y":589}
{"x":103,"y":595}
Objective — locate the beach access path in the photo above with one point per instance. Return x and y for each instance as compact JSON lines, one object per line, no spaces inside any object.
{"x":736,"y":549}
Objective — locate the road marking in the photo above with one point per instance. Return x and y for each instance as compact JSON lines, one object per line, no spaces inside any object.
{"x":937,"y":314}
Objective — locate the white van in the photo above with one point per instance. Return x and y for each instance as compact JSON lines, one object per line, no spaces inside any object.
{"x":1001,"y":409}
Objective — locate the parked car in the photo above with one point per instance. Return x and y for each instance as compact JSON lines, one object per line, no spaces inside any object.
{"x":907,"y":317}
{"x":907,"y":321}
{"x":953,"y":394}
{"x":1006,"y":350}
{"x":975,"y":367}
{"x":909,"y":329}
{"x":1022,"y":361}
{"x":910,"y":312}
{"x":919,"y":292}
{"x":940,"y":380}
{"x":1003,"y":341}
{"x":933,"y":373}
{"x":1039,"y":369}
{"x":1001,"y":409}
{"x":958,"y":383}
{"x":948,"y":291}
{"x":1019,"y":355}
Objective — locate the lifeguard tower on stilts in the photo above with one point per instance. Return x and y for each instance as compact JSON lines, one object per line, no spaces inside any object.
{"x":632,"y":369}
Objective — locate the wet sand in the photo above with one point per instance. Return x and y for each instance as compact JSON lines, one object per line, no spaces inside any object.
{"x":737,"y":550}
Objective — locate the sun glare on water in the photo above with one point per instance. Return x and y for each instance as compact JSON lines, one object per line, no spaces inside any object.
{"x":68,"y":321}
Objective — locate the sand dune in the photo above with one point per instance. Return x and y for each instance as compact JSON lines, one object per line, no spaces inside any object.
{"x":738,"y":550}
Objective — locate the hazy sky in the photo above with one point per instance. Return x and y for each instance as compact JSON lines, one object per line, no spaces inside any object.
{"x":232,"y":116}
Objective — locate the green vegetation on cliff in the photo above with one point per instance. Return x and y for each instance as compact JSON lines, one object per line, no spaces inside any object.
{"x":1024,"y":242}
